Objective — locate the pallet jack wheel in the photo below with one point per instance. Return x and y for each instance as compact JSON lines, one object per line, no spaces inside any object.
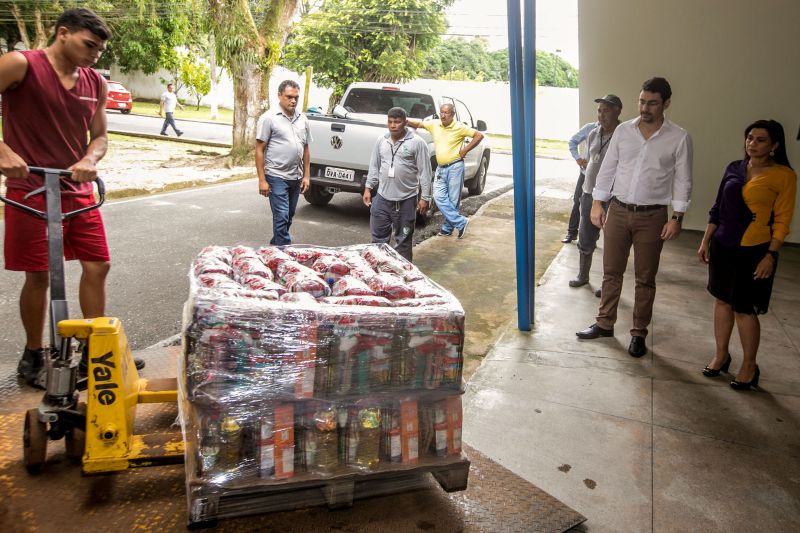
{"x":34,"y":439}
{"x":75,"y":439}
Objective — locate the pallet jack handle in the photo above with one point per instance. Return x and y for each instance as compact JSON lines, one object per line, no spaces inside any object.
{"x":41,"y":171}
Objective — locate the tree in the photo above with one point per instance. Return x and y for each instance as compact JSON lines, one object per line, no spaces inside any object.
{"x":553,"y":71}
{"x":34,"y":21}
{"x":249,"y":38}
{"x":365,"y":40}
{"x":196,"y":77}
{"x":457,"y":59}
{"x":146,"y":33}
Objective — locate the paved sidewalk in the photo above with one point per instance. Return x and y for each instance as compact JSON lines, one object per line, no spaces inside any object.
{"x":645,"y":444}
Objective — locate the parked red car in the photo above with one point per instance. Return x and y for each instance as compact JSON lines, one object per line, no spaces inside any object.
{"x":119,"y":98}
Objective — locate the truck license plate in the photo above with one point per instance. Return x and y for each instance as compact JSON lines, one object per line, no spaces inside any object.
{"x":340,"y":173}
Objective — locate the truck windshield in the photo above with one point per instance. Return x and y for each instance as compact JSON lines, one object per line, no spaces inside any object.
{"x":380,"y":101}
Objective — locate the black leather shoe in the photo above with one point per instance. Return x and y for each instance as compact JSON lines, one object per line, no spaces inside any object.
{"x":597,"y":293}
{"x":746,"y":385}
{"x":578,"y":282}
{"x":714,"y":372}
{"x":594,"y":331}
{"x":30,"y":366}
{"x":569,"y":238}
{"x":637,"y":347}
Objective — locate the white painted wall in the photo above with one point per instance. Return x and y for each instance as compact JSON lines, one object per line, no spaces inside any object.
{"x":730,"y":62}
{"x":556,"y":109}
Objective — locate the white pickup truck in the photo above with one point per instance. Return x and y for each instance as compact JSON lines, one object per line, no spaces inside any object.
{"x":342,"y":142}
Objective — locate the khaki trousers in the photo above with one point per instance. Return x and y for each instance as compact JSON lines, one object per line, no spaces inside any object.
{"x":623,"y":229}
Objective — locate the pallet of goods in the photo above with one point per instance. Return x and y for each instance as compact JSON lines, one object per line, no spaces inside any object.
{"x":315,"y":376}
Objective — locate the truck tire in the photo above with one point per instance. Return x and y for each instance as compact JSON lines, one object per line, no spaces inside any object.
{"x":475,"y":187}
{"x":316,"y":195}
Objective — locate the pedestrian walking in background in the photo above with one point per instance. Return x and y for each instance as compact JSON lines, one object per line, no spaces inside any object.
{"x":608,"y":109}
{"x":448,"y":141}
{"x":169,"y":100}
{"x":399,"y":168}
{"x":283,"y":162}
{"x":648,"y":165}
{"x":577,"y":147}
{"x":747,"y":225}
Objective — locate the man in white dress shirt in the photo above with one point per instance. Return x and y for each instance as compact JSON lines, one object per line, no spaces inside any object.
{"x":647,"y":168}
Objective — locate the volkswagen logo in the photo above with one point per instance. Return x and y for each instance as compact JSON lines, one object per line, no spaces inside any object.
{"x":336,"y":142}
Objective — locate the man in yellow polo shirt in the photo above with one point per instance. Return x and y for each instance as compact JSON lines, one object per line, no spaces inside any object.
{"x":448,"y":140}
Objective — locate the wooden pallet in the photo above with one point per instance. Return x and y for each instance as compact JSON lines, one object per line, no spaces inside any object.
{"x":208,"y":504}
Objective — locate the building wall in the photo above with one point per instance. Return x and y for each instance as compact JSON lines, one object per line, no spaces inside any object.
{"x":729,"y":62}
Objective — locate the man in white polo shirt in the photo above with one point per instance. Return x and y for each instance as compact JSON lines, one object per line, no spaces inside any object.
{"x":169,"y":101}
{"x":283,"y":162}
{"x":648,"y":166}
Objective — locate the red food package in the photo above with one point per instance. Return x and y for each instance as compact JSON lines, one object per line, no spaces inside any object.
{"x":390,"y":286}
{"x":244,"y":266}
{"x":381,"y":261}
{"x":240,"y":251}
{"x":219,"y":253}
{"x":313,"y":285}
{"x":430,"y":301}
{"x":301,"y":254}
{"x":212,"y":266}
{"x":359,"y":267}
{"x":350,"y":286}
{"x":273,"y":256}
{"x":330,"y":267}
{"x":217,"y":281}
{"x":257,"y":283}
{"x":423,"y":289}
{"x":371,"y":301}
{"x":302,"y":298}
{"x":289,"y":268}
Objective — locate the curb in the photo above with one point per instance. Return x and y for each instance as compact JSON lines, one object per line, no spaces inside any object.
{"x":170,"y":139}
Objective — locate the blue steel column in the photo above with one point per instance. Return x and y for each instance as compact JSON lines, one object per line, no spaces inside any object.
{"x":522,"y":144}
{"x":529,"y":96}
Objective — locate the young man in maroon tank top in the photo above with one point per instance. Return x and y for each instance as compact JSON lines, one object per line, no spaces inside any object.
{"x":51,"y":99}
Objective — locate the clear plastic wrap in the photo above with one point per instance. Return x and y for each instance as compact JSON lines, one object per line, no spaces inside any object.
{"x":306,"y":363}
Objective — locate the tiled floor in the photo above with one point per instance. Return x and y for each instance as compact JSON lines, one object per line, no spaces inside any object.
{"x":647,"y":444}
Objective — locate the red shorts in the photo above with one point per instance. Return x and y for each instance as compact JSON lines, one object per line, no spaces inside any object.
{"x":25,"y":243}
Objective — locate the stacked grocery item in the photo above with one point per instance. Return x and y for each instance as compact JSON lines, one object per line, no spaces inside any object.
{"x":306,"y":363}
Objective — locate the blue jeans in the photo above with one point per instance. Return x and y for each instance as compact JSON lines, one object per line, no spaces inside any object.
{"x":283,"y":198}
{"x":447,"y":194}
{"x":169,"y":120}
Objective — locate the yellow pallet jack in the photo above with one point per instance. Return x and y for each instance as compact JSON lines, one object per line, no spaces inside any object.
{"x":99,"y":430}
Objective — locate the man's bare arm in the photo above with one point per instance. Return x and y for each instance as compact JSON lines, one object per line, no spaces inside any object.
{"x":414,"y":123}
{"x":13,"y":67}
{"x":472,"y":144}
{"x":86,"y":168}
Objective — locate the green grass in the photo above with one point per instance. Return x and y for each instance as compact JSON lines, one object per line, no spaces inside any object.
{"x":190,"y":111}
{"x":546,"y":147}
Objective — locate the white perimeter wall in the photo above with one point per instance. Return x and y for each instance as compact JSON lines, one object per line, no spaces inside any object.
{"x":556,"y":109}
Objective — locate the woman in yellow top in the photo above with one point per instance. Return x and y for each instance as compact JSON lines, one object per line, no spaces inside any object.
{"x":746,"y":227}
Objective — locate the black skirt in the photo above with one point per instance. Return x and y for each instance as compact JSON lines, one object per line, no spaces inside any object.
{"x":730,"y":277}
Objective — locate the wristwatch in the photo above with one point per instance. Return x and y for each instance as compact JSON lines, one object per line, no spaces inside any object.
{"x":773,"y":253}
{"x":679,"y":218}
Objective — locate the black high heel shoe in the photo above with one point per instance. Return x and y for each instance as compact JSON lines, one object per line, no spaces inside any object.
{"x":714,"y":372}
{"x":746,"y":385}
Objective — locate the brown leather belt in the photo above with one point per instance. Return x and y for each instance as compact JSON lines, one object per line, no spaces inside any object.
{"x":636,"y":208}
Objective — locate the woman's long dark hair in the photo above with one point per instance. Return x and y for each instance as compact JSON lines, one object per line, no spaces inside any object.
{"x":775,"y":131}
